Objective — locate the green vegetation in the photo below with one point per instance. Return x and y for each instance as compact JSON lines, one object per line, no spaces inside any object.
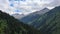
{"x":49,"y":23}
{"x":10,"y":25}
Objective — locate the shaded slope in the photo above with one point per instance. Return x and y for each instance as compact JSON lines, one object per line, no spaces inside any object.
{"x":33,"y":16}
{"x":9,"y":25}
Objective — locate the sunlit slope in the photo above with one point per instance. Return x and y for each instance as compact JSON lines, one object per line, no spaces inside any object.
{"x":49,"y":23}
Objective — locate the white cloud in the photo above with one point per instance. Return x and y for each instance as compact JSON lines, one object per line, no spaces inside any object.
{"x":27,"y":6}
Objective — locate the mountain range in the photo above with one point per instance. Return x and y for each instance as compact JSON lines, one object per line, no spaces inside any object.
{"x":46,"y":21}
{"x":32,"y":16}
{"x":49,"y":23}
{"x":34,"y":23}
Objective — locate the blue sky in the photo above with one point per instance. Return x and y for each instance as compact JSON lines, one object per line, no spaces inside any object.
{"x":26,"y":6}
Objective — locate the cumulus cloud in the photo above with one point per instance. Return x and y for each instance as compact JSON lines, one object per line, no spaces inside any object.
{"x":26,"y":6}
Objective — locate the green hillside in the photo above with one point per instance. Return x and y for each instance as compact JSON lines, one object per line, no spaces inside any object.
{"x":49,"y":23}
{"x":10,"y":25}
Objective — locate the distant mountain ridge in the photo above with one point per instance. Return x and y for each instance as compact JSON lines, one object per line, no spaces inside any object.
{"x":18,"y":16}
{"x":43,"y":11}
{"x":33,"y":16}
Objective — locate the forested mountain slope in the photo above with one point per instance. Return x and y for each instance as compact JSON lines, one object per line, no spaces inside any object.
{"x":49,"y":23}
{"x":10,"y":25}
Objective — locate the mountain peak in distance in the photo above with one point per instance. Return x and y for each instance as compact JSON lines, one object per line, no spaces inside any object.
{"x":18,"y":16}
{"x":42,"y":11}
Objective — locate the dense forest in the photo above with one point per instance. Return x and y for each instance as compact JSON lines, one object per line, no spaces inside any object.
{"x":10,"y":25}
